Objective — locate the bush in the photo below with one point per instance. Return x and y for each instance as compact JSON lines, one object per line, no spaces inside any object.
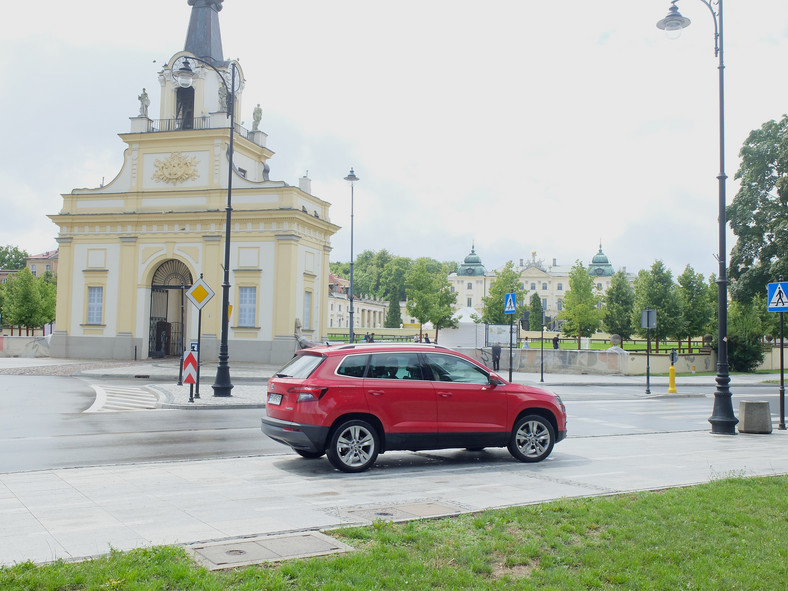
{"x":744,"y":355}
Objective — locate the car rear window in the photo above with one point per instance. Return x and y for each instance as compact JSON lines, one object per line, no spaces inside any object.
{"x":353,"y":366}
{"x":300,"y":366}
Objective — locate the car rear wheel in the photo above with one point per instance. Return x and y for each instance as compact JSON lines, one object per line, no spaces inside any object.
{"x":532,"y":439}
{"x":354,"y":446}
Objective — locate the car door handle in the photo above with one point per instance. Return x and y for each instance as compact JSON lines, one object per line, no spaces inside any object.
{"x":375,"y":392}
{"x":444,"y":394}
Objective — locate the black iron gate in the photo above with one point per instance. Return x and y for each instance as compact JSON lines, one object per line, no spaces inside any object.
{"x":165,"y":335}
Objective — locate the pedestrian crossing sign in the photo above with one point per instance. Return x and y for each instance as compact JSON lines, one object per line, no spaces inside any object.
{"x":777,"y":297}
{"x":510,"y":303}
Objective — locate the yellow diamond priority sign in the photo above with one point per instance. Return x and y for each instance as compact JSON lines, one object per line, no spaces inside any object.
{"x":200,"y":293}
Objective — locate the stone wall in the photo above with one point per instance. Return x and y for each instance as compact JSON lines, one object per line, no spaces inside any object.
{"x":24,"y":346}
{"x":613,"y":361}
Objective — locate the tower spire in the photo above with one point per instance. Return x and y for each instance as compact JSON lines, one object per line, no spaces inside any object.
{"x":204,"y":39}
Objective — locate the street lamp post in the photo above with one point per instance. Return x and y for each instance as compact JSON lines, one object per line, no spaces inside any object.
{"x":184,"y":75}
{"x":351,"y":178}
{"x":722,"y":418}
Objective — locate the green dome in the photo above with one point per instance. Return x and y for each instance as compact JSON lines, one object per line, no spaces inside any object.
{"x":472,"y":266}
{"x":600,"y":265}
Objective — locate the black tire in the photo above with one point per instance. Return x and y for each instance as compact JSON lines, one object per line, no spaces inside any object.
{"x":309,"y":455}
{"x":532,"y":439}
{"x":354,"y":446}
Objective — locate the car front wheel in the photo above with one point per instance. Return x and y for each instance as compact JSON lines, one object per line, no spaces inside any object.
{"x":532,"y":439}
{"x":354,"y":446}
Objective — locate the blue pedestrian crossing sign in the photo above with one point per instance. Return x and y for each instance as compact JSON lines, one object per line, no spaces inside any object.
{"x":510,"y":303}
{"x":777,"y":298}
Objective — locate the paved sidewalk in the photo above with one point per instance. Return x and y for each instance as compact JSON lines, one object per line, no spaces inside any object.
{"x":235,"y":511}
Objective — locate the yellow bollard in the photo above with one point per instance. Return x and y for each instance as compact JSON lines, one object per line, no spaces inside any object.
{"x":672,"y":380}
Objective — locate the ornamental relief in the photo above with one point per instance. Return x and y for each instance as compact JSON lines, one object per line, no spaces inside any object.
{"x":176,"y":169}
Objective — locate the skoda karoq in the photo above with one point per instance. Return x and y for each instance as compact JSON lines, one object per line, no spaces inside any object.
{"x":353,"y":402}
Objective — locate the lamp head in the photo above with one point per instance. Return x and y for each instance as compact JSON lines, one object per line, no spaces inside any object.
{"x":351,"y":177}
{"x":184,"y":75}
{"x":674,"y":22}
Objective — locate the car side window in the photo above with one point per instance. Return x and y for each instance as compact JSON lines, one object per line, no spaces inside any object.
{"x":395,"y":366}
{"x":448,"y":368}
{"x":353,"y":366}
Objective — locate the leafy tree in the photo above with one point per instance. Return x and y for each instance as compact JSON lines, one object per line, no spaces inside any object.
{"x":745,"y":352}
{"x":442,"y":314}
{"x":619,"y":302}
{"x":28,"y":301}
{"x":535,"y":313}
{"x":655,"y":289}
{"x":382,"y":275}
{"x":506,"y":281}
{"x":422,"y":289}
{"x":12,"y":257}
{"x":581,"y":315}
{"x":711,"y":297}
{"x":392,"y":278}
{"x":394,"y":315}
{"x":697,"y":310}
{"x":758,"y":214}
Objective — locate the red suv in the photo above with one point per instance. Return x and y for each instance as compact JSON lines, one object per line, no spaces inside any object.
{"x":353,"y":402}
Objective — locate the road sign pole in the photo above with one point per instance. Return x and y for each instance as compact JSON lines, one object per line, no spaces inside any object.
{"x":511,"y":355}
{"x":782,"y":375}
{"x":509,"y":308}
{"x":199,"y":336}
{"x":777,"y":301}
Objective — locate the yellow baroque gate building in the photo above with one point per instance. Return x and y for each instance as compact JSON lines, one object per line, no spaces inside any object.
{"x":130,"y":250}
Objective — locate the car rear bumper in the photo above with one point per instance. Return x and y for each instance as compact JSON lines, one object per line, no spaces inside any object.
{"x":310,"y":438}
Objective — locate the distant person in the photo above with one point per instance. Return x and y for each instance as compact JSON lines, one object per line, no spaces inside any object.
{"x":496,"y":355}
{"x":427,"y":339}
{"x":526,"y":345}
{"x":371,"y":338}
{"x":555,"y":342}
{"x":366,"y":338}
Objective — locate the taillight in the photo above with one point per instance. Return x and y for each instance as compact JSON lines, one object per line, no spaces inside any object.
{"x":307,"y":393}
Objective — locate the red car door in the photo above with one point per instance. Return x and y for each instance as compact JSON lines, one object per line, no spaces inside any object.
{"x":467,"y":403}
{"x":400,"y":397}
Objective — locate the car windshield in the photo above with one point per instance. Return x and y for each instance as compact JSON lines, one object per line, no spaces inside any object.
{"x":300,"y":366}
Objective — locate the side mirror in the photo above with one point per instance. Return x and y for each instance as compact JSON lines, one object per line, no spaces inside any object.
{"x":495,"y":381}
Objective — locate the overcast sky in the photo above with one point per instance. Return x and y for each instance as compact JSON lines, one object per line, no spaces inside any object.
{"x":514,"y":125}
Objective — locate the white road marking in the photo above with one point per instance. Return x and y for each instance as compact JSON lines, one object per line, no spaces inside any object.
{"x":122,"y":398}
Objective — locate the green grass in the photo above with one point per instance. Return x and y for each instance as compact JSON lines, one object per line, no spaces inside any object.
{"x":729,"y":534}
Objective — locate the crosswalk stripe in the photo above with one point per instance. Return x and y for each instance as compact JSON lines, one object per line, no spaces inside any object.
{"x":110,"y":398}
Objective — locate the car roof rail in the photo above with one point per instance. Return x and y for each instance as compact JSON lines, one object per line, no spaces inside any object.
{"x":395,"y":344}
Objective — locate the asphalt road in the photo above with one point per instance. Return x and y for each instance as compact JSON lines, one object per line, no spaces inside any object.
{"x":43,"y":425}
{"x":46,"y":422}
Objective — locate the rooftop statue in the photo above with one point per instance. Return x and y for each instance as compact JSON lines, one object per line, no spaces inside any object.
{"x":215,"y":4}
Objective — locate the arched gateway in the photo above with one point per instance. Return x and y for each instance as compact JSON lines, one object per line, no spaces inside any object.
{"x":167,"y":309}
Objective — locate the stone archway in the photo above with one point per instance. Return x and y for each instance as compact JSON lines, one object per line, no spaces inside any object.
{"x":167,"y":309}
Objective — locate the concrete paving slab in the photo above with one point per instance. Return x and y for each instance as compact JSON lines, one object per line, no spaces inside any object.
{"x":236,"y":553}
{"x":136,"y":506}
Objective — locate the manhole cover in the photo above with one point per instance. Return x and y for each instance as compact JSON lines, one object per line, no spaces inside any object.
{"x":235,"y":552}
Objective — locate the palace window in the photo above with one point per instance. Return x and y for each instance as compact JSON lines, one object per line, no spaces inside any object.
{"x":95,"y":305}
{"x":307,"y":310}
{"x":247,"y":304}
